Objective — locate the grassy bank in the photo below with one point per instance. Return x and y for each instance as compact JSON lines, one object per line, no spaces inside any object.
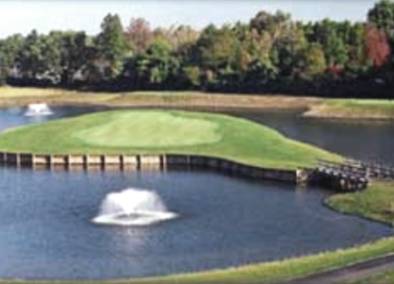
{"x":271,"y":272}
{"x":376,"y":203}
{"x":280,"y":271}
{"x":353,"y":109}
{"x":10,"y":96}
{"x":154,"y":131}
{"x":316,"y":107}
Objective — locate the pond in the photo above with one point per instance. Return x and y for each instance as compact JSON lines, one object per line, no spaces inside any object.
{"x":359,"y":139}
{"x":46,"y":228}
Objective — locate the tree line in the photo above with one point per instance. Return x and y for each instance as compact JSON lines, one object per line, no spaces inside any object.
{"x":272,"y":53}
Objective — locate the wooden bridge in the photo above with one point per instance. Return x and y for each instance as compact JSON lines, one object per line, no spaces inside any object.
{"x":374,"y":170}
{"x":351,"y":175}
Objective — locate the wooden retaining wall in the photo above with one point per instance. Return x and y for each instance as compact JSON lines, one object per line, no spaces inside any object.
{"x":146,"y":162}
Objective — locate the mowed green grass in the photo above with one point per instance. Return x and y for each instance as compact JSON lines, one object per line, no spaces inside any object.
{"x":150,"y":129}
{"x":355,"y":108}
{"x":160,"y":131}
{"x":376,"y":203}
{"x":382,"y":107}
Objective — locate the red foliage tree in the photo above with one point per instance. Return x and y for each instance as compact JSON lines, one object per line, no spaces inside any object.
{"x":139,"y":34}
{"x":377,"y":45}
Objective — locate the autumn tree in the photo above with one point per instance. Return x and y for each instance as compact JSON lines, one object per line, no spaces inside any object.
{"x":377,"y":46}
{"x":139,"y":35}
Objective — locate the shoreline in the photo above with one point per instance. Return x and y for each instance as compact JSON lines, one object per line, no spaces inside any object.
{"x":363,"y":205}
{"x":311,"y":107}
{"x":209,"y":134}
{"x":288,"y":270}
{"x":138,"y":162}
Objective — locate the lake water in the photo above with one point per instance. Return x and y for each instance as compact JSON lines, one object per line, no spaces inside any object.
{"x":359,"y":139}
{"x":46,"y":230}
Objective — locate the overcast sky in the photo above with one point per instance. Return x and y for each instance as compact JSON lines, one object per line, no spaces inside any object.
{"x":18,"y":16}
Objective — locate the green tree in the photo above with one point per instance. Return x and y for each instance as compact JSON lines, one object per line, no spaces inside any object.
{"x":112,"y":47}
{"x":9,"y":49}
{"x":75,"y":55}
{"x":217,"y":53}
{"x":382,"y":15}
{"x":155,"y":67}
{"x":192,"y":76}
{"x":287,"y":50}
{"x":259,"y":75}
{"x":357,"y":62}
{"x":216,"y":48}
{"x":51,"y":57}
{"x":335,"y":49}
{"x":30,"y":57}
{"x":314,"y":61}
{"x":273,"y":24}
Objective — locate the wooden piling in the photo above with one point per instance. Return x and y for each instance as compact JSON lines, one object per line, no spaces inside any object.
{"x":144,"y":162}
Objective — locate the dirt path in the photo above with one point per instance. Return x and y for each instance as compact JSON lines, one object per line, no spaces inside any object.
{"x":351,"y":273}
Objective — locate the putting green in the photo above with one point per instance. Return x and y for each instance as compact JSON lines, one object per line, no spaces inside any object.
{"x":151,"y":130}
{"x":160,"y":131}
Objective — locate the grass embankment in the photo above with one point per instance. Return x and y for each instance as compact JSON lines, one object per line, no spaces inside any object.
{"x":271,"y":272}
{"x":10,"y":96}
{"x":154,"y":131}
{"x":280,"y":271}
{"x":353,"y":109}
{"x":317,"y":107}
{"x":376,"y":203}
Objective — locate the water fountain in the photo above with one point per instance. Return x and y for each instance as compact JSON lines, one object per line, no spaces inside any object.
{"x":38,"y":109}
{"x":133,"y":207}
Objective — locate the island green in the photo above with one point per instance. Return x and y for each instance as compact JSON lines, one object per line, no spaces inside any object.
{"x":161,"y":131}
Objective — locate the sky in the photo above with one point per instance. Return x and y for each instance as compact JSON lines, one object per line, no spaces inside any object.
{"x":21,"y":16}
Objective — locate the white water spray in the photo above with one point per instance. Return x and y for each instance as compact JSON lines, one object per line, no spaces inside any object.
{"x":38,"y":109}
{"x":133,"y":207}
